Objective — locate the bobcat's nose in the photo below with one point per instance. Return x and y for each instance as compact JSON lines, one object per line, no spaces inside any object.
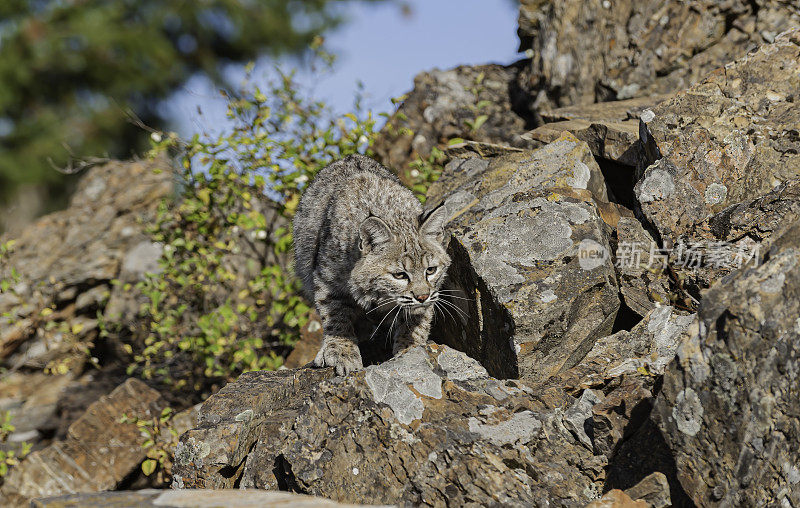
{"x":421,"y":298}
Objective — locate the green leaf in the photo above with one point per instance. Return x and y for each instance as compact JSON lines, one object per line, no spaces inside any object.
{"x":479,"y":122}
{"x":149,"y":466}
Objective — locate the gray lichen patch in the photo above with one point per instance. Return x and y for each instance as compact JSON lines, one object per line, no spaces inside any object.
{"x":666,"y":328}
{"x":460,"y":367}
{"x":688,"y":412}
{"x":389,"y":384}
{"x":715,"y":193}
{"x":522,"y":427}
{"x":657,"y":184}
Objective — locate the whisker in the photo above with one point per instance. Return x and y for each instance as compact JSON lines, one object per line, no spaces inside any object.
{"x":381,"y":304}
{"x":451,"y":304}
{"x":459,"y":297}
{"x":382,"y":320}
{"x":450,"y":293}
{"x":389,"y":335}
{"x":444,"y":309}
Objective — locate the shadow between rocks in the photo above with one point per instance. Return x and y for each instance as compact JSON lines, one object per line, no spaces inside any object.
{"x":643,"y":453}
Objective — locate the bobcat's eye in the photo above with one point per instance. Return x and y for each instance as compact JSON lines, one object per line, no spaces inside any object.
{"x":400,"y":275}
{"x":431,"y":270}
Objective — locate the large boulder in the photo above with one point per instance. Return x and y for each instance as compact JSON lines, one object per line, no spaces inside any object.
{"x":729,"y":408}
{"x":534,"y":282}
{"x":729,"y":139}
{"x":600,"y":50}
{"x":428,"y":427}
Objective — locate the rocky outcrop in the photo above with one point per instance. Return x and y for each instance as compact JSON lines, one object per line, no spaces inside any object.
{"x":431,"y":426}
{"x":481,"y":103}
{"x":98,"y":453}
{"x":729,"y":408}
{"x":67,"y":260}
{"x":598,"y":50}
{"x":729,"y":139}
{"x":426,"y":427}
{"x":58,"y":364}
{"x":534,"y":280}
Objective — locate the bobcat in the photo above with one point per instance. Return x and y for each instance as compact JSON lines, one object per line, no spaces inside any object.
{"x":366,"y":254}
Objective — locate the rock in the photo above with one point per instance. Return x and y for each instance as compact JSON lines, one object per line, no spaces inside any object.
{"x":726,"y":140}
{"x":32,"y":401}
{"x":623,"y":371}
{"x":617,"y":499}
{"x":443,"y":105}
{"x":614,"y":141}
{"x":66,"y":259}
{"x":594,"y":51}
{"x":654,"y":489}
{"x":534,"y":279}
{"x":229,"y":423}
{"x":184,"y":498}
{"x":428,"y":427}
{"x":640,"y":267}
{"x":97,"y":454}
{"x":611,"y":129}
{"x":646,"y":349}
{"x":732,"y":238}
{"x":610,"y":112}
{"x":308,"y":346}
{"x":728,"y":408}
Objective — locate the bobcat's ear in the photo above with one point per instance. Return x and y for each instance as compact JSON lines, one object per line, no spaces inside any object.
{"x":373,"y":233}
{"x":433,"y":225}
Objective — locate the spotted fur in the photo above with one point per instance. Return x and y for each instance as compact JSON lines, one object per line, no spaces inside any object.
{"x":367,"y":259}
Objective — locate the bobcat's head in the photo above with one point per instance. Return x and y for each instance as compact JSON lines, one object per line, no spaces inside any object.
{"x":401,"y":267}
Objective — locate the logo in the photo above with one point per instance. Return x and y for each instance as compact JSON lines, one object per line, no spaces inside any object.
{"x":591,"y":254}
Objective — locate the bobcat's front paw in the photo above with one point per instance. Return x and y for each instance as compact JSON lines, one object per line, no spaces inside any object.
{"x":340,"y":353}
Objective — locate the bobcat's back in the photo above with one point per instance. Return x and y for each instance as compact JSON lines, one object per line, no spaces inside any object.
{"x":337,"y":201}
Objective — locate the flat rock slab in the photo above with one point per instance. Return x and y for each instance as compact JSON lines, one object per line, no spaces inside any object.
{"x":611,"y":111}
{"x":196,"y":498}
{"x":730,"y":138}
{"x":729,"y":408}
{"x":98,"y":453}
{"x":611,"y":129}
{"x":611,"y":140}
{"x":532,"y":267}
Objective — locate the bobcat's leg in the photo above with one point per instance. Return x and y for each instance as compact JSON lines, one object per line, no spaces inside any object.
{"x":414,"y":331}
{"x":339,"y":343}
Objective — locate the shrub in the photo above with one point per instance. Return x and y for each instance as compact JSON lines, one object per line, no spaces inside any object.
{"x":9,"y":458}
{"x":225,"y":301}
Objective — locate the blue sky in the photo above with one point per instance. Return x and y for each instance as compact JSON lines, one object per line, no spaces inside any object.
{"x":380,"y":47}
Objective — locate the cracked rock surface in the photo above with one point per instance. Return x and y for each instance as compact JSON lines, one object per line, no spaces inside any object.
{"x":531,"y":258}
{"x":585,"y":51}
{"x":731,"y":138}
{"x":427,"y":427}
{"x":729,"y":408}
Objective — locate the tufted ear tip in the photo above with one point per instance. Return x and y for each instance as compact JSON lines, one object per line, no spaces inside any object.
{"x":373,"y":233}
{"x":433,"y":225}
